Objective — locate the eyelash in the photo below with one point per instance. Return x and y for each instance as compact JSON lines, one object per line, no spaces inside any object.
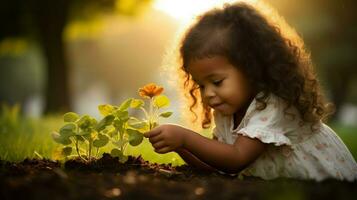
{"x":216,"y":83}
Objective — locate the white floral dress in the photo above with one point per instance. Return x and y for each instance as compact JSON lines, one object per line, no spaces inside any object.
{"x":294,"y":151}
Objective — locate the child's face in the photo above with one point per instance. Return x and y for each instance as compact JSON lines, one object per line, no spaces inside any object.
{"x":223,"y":87}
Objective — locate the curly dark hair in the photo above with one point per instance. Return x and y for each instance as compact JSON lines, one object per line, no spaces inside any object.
{"x":273,"y":63}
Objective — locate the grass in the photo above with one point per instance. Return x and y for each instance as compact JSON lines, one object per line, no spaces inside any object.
{"x":26,"y":138}
{"x":30,"y":138}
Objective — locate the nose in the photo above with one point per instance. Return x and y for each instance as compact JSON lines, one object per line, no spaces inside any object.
{"x":208,"y":92}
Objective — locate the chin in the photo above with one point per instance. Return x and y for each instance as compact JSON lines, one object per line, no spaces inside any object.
{"x":225,"y":112}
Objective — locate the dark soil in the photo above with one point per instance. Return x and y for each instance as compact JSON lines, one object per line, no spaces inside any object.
{"x":106,"y":178}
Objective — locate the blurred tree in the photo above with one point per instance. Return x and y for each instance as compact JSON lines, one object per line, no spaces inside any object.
{"x":329,"y":29}
{"x":44,"y":22}
{"x":338,"y":50}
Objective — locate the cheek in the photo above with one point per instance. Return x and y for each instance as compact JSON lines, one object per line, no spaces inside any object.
{"x":235,"y":93}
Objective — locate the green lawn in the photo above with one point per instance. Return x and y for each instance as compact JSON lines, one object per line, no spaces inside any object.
{"x":28,"y":138}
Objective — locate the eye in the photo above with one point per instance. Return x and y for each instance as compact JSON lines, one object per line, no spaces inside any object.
{"x":217,"y":82}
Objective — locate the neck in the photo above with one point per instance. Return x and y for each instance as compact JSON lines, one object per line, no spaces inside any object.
{"x":238,"y":116}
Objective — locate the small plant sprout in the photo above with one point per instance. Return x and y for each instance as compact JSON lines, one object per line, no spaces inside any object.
{"x":116,"y":126}
{"x":152,"y":92}
{"x":79,"y":130}
{"x":119,"y":132}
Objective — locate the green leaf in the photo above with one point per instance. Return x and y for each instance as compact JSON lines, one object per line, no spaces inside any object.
{"x":166,"y":114}
{"x":69,"y":127}
{"x":120,"y":143}
{"x":92,"y":121}
{"x":101,"y":141}
{"x":70,"y":117}
{"x":60,"y":139}
{"x":118,"y":123}
{"x":84,"y":122}
{"x":123,"y":158}
{"x":119,"y":154}
{"x":110,"y":131}
{"x":123,"y":115}
{"x":141,"y":126}
{"x":125,"y":105}
{"x":66,"y":151}
{"x":105,"y":109}
{"x":107,"y":120}
{"x":57,"y":137}
{"x":138,"y":125}
{"x":80,"y":138}
{"x":161,"y":101}
{"x":92,"y":134}
{"x":116,"y":153}
{"x":134,"y":119}
{"x":68,"y":130}
{"x":83,"y":133}
{"x":136,"y":103}
{"x":135,"y":137}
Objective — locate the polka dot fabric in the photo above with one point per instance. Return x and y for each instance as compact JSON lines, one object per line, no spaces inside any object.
{"x":294,"y":150}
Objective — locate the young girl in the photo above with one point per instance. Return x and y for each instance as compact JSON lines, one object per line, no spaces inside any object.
{"x":266,"y":102}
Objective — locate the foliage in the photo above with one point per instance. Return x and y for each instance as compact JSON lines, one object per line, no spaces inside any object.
{"x":116,"y":126}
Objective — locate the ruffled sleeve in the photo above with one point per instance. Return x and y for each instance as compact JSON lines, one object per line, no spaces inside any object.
{"x":269,"y":125}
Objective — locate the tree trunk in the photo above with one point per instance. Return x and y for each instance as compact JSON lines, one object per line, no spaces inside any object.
{"x":50,"y":18}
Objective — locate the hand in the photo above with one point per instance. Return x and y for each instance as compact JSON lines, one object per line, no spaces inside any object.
{"x":166,"y":138}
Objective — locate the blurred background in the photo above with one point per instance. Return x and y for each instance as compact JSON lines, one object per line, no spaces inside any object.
{"x":72,"y":55}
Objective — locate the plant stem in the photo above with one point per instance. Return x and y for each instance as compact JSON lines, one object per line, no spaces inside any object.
{"x":121,"y":139}
{"x":77,"y":149}
{"x":90,"y":149}
{"x":76,"y":142}
{"x":150,"y":113}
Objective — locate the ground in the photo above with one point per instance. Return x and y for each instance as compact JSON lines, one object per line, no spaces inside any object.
{"x":106,"y":178}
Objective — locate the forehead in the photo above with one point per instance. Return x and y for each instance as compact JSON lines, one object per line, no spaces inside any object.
{"x":210,"y":66}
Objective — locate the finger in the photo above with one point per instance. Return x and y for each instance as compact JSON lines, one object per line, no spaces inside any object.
{"x":155,"y":139}
{"x":165,"y":149}
{"x":153,"y":132}
{"x":159,"y":145}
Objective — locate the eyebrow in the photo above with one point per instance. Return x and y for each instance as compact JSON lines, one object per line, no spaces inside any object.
{"x":208,"y":76}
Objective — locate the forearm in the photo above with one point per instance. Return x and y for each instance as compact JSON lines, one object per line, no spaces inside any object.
{"x":192,"y":160}
{"x":224,"y":157}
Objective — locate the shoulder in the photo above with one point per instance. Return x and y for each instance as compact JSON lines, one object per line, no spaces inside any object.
{"x":271,"y":106}
{"x":275,"y":108}
{"x":266,"y":124}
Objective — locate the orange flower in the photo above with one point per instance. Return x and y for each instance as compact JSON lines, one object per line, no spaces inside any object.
{"x":150,"y":90}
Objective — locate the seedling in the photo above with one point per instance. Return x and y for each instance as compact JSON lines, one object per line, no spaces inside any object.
{"x":79,"y":130}
{"x":116,"y":126}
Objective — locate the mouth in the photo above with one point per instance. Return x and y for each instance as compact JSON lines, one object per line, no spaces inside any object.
{"x":217,"y":105}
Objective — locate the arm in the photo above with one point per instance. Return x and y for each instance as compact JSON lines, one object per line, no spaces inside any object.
{"x":192,"y":160}
{"x":225,"y":157}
